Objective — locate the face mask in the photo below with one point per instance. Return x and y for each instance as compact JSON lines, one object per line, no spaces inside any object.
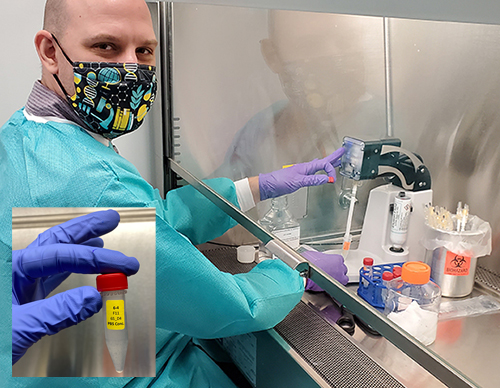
{"x":111,"y":98}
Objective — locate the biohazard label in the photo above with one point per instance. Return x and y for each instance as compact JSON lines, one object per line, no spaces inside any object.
{"x":456,"y":265}
{"x":115,"y":314}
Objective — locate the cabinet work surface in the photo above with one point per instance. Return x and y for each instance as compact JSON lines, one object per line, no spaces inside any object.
{"x":470,"y":344}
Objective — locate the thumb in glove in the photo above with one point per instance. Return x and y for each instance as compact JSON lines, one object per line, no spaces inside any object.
{"x":290,"y":179}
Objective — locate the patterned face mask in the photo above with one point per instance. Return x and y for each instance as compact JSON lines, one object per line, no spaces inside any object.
{"x":111,"y":98}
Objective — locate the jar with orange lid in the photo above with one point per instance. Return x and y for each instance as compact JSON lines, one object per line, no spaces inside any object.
{"x":413,"y":301}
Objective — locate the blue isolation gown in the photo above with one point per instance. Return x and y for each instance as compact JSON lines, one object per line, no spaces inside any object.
{"x":60,"y":165}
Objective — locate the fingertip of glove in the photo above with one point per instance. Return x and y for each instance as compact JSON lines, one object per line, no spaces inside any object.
{"x":111,"y":216}
{"x":132,"y":267}
{"x":91,"y":298}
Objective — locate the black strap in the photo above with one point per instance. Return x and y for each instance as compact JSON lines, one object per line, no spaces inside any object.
{"x":69,"y":60}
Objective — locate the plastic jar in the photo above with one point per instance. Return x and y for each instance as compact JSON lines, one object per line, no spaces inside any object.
{"x":413,"y":302}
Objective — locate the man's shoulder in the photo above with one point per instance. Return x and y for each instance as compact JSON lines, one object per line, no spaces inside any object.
{"x":56,"y":143}
{"x":15,"y":120}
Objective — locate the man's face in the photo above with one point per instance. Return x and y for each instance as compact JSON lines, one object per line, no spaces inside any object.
{"x":322,"y":67}
{"x":106,"y":31}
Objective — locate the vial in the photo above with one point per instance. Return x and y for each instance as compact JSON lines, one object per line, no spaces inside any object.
{"x":368,"y":267}
{"x":396,"y":272}
{"x":113,"y":288}
{"x":387,"y":276}
{"x":367,"y":270}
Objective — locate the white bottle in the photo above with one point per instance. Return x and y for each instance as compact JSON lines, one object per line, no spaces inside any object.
{"x":281,"y":223}
{"x":400,"y":221}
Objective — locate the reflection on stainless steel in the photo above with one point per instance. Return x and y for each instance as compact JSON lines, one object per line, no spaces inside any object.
{"x":471,"y":345}
{"x":222,"y":203}
{"x":275,"y":246}
{"x":440,"y":80}
{"x":423,"y":355}
{"x":81,"y":350}
{"x":300,"y":82}
{"x":446,"y":96}
{"x":405,"y":342}
{"x":392,"y":359}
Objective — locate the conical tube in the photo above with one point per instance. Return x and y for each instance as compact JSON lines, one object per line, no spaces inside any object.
{"x":113,"y":288}
{"x":115,"y":327}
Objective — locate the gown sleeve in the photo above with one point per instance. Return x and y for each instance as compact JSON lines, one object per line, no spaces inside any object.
{"x":193,"y":296}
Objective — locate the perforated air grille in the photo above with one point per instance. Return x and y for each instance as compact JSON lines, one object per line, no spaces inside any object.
{"x":225,"y":259}
{"x":333,"y":356}
{"x":341,"y":363}
{"x":488,"y":278}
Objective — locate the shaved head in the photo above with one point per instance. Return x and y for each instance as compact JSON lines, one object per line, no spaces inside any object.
{"x":56,"y":17}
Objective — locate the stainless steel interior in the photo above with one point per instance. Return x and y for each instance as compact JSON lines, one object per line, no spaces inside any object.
{"x":242,"y":109}
{"x":251,"y":94}
{"x":81,"y":350}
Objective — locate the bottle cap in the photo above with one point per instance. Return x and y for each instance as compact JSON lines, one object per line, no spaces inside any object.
{"x":245,"y":253}
{"x":416,"y":272}
{"x":367,"y":261}
{"x":396,"y":271}
{"x":112,"y":282}
{"x":387,"y":275}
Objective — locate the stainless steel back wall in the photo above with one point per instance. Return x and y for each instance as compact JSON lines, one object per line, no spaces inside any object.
{"x":251,"y":93}
{"x":446,"y":100}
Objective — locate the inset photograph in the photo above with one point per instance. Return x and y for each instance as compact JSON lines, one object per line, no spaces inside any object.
{"x":83,"y":292}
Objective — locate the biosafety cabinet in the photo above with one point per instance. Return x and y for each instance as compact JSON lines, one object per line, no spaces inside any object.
{"x":250,"y":86}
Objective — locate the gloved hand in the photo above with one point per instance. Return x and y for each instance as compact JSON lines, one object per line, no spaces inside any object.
{"x":332,"y":264}
{"x":290,"y":179}
{"x":73,"y":246}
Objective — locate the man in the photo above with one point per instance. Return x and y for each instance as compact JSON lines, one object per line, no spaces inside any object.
{"x":330,"y":69}
{"x":97,"y":83}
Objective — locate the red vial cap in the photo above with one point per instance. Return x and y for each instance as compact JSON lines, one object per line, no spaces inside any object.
{"x":396,"y":271}
{"x":367,"y":261}
{"x":112,"y":282}
{"x":387,"y":275}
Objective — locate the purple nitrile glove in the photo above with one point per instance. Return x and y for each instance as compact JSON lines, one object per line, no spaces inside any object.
{"x":74,"y":246}
{"x":332,"y":264}
{"x":290,"y":179}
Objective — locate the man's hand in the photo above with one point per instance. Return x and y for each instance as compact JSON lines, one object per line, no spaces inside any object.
{"x":332,"y":264}
{"x":73,"y":246}
{"x":290,"y":179}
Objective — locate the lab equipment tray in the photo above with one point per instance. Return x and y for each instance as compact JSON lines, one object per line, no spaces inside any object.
{"x":370,"y":289}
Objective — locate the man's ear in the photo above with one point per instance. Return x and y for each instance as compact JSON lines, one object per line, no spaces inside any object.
{"x":46,"y":49}
{"x":270,"y":55}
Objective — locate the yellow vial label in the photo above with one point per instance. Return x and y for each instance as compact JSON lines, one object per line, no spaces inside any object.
{"x":115,"y":314}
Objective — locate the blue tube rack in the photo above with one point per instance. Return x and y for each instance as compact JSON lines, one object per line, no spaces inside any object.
{"x":371,"y":289}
